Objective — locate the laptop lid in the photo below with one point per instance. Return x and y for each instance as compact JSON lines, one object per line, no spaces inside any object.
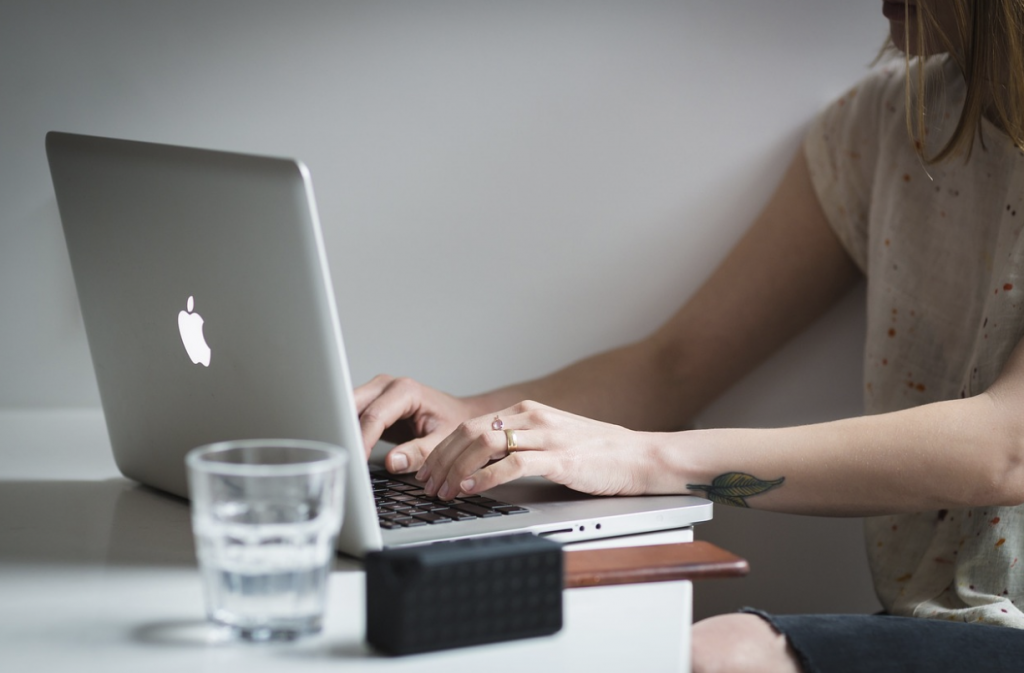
{"x":210,"y":315}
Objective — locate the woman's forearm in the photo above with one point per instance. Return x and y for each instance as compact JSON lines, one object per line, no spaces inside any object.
{"x":963,"y":453}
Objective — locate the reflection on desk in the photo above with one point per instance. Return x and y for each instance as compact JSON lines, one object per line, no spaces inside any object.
{"x":100,"y":575}
{"x":94,"y":523}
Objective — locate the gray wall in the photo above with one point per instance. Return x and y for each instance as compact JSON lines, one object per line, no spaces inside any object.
{"x":573,"y":169}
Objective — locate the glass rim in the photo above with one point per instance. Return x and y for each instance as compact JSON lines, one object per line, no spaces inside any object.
{"x":334,"y":457}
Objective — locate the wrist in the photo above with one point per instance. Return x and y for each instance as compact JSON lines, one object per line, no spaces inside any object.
{"x":666,"y":459}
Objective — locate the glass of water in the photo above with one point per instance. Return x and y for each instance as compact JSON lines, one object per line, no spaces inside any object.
{"x":265,"y":514}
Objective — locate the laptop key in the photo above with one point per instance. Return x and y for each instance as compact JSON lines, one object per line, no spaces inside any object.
{"x":433,"y":517}
{"x":483,"y":501}
{"x":412,"y":523}
{"x":475,"y":510}
{"x":455,"y":514}
{"x":510,"y":509}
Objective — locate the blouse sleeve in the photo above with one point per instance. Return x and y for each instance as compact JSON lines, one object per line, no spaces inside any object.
{"x":842,"y":151}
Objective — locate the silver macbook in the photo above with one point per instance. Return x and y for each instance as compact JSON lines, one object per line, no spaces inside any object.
{"x":210,"y":315}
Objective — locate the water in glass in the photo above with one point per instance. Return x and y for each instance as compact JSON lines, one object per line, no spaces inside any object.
{"x":265,"y":566}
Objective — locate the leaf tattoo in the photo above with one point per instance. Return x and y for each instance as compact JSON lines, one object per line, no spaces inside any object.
{"x":732,"y":488}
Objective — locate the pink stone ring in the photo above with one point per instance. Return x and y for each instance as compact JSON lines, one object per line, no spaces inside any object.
{"x":497,"y":424}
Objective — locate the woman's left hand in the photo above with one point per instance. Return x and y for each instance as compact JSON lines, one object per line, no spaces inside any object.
{"x":583,"y":454}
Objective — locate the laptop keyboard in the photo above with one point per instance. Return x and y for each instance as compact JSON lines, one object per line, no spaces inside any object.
{"x":404,"y":505}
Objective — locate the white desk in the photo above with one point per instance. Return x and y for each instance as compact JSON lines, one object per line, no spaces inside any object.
{"x":99,"y":574}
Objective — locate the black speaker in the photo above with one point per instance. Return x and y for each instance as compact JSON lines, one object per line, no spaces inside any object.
{"x":465,"y":592}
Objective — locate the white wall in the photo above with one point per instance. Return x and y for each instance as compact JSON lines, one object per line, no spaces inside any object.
{"x":504,"y":186}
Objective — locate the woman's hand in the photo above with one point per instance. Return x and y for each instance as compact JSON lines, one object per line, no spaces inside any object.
{"x":583,"y":454}
{"x":409,"y":414}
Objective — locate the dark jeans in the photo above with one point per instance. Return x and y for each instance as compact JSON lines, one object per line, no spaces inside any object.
{"x":888,"y":644}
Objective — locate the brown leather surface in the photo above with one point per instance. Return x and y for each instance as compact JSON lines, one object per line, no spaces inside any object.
{"x":656,"y":563}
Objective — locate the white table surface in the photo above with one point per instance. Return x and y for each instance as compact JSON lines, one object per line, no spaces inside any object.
{"x":99,"y":574}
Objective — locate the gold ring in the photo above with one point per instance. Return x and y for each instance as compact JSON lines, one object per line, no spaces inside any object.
{"x":510,"y":441}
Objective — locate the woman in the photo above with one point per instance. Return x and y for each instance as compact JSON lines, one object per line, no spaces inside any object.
{"x":915,"y":179}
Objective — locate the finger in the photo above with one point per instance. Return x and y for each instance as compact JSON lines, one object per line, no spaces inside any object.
{"x":395,"y":402}
{"x":371,"y":390}
{"x":488,"y":447}
{"x":409,"y":457}
{"x":514,"y":466}
{"x":440,"y":460}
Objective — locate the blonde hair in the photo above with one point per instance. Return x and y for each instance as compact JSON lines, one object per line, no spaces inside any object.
{"x":988,"y":48}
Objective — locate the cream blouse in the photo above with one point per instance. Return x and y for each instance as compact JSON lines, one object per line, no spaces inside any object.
{"x":943,"y":253}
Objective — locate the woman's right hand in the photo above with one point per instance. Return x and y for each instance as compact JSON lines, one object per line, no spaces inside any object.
{"x":409,"y":414}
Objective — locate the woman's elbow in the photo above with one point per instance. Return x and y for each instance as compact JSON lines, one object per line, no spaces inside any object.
{"x":1008,"y":480}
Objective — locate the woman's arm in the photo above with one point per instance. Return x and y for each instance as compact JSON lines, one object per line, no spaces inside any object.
{"x":962,"y":453}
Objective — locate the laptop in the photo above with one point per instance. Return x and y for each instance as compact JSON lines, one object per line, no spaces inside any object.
{"x":210,"y":315}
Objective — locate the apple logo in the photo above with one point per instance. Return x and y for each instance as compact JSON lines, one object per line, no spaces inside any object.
{"x":190,"y":325}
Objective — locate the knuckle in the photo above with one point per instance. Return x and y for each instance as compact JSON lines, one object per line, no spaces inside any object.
{"x":462,"y":467}
{"x":465,"y":431}
{"x":369,"y":417}
{"x":541,"y":415}
{"x":403,"y":384}
{"x":516,"y":467}
{"x":527,"y":406}
{"x":440,"y":466}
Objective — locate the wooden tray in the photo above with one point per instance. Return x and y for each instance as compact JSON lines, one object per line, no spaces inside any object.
{"x":656,"y":563}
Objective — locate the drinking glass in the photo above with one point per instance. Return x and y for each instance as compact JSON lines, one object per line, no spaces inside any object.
{"x":265,"y":514}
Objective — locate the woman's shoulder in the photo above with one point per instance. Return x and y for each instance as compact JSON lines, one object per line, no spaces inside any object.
{"x":878,"y":95}
{"x":879,"y":99}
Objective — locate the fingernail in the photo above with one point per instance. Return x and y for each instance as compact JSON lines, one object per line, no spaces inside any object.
{"x":422,"y":474}
{"x":429,"y":486}
{"x":467,"y":485}
{"x":443,"y":493}
{"x":399,"y":463}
